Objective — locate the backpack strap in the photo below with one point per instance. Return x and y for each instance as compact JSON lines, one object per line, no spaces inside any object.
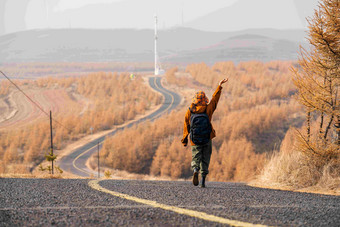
{"x":191,"y":110}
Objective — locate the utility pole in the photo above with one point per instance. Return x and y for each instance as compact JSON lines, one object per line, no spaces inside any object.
{"x":98,"y":161}
{"x":51,"y":139}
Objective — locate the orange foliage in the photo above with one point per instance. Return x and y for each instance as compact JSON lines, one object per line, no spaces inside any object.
{"x":4,"y":87}
{"x":172,"y":77}
{"x":134,"y":148}
{"x":235,"y":160}
{"x":115,"y":99}
{"x":171,"y":160}
{"x":255,"y":111}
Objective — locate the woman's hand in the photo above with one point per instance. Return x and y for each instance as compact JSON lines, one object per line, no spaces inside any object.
{"x":223,"y":81}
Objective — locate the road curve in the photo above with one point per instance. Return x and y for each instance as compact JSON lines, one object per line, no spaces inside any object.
{"x":75,"y":202}
{"x":75,"y":162}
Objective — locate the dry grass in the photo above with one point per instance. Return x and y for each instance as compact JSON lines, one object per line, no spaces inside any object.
{"x":24,"y":171}
{"x":125,"y":175}
{"x":116,"y":174}
{"x":33,"y":175}
{"x":44,"y":175}
{"x":18,"y":111}
{"x":290,"y":169}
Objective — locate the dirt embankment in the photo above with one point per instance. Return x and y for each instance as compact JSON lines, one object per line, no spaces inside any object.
{"x":18,"y":111}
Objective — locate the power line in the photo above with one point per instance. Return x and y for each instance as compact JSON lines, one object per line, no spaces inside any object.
{"x":24,"y":93}
{"x":47,"y":114}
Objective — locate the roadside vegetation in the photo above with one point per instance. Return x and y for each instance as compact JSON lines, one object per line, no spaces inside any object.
{"x":255,"y":111}
{"x":309,"y":158}
{"x":114,"y":98}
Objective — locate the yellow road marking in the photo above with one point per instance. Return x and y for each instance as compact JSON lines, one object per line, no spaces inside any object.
{"x":192,"y":213}
{"x":166,"y":91}
{"x":81,"y":154}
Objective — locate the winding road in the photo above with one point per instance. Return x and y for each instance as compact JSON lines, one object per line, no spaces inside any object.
{"x":85,"y":202}
{"x":75,"y":162}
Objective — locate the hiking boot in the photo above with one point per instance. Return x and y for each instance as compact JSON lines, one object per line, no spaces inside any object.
{"x":202,"y":184}
{"x":195,"y":177}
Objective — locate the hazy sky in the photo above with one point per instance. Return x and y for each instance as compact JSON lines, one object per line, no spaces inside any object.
{"x":118,"y":13}
{"x":20,"y":15}
{"x":159,"y":5}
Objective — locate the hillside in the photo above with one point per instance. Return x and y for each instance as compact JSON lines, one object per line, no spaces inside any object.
{"x":111,"y":100}
{"x":246,"y":14}
{"x":245,"y":47}
{"x":255,"y":111}
{"x":129,"y":45}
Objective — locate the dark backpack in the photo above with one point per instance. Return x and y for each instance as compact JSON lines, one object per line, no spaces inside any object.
{"x":200,"y":128}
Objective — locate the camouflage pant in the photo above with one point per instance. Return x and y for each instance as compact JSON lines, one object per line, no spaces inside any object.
{"x":201,"y":157}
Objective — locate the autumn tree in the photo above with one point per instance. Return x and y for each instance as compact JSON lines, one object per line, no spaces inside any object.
{"x":170,"y":75}
{"x":253,"y":116}
{"x":111,"y":99}
{"x":317,"y":79}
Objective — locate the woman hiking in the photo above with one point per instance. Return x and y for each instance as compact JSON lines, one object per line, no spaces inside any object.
{"x":197,"y":123}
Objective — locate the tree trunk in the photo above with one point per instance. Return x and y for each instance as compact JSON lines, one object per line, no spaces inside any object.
{"x":321,"y":123}
{"x":337,"y":126}
{"x":323,"y":106}
{"x":308,"y":125}
{"x":328,"y":127}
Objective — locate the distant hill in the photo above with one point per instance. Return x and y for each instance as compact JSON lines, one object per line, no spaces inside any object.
{"x":246,"y":14}
{"x":242,"y":48}
{"x":180,"y":45}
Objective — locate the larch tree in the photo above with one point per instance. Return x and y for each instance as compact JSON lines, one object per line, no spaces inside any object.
{"x":317,"y":79}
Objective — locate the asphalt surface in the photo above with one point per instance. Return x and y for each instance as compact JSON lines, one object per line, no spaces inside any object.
{"x":71,"y":202}
{"x":75,"y":162}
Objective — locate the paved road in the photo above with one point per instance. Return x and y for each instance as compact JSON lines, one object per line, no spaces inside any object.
{"x":77,"y":202}
{"x":75,"y":161}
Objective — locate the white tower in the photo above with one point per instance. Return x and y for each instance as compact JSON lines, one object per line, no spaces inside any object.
{"x":156,"y":66}
{"x":158,"y":70}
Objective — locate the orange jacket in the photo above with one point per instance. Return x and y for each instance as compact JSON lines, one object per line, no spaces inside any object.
{"x":209,"y":109}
